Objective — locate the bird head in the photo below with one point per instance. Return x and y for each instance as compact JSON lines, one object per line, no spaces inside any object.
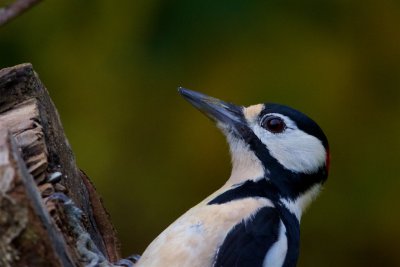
{"x":269,"y":141}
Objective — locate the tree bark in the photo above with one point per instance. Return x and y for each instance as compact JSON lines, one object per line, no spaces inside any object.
{"x":38,"y":177}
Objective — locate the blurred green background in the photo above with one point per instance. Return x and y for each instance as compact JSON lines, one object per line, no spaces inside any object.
{"x":112,"y":68}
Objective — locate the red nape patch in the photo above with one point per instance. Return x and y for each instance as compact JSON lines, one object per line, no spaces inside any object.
{"x":328,"y":160}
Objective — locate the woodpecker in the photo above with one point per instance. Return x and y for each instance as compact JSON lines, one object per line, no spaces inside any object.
{"x":280,"y":160}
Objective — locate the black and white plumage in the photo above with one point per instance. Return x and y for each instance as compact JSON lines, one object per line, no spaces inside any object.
{"x":280,"y":159}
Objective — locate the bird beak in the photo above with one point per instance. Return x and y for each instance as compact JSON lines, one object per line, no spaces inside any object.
{"x":226,"y":115}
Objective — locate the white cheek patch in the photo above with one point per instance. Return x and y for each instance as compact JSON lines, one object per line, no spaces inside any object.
{"x":294,"y":149}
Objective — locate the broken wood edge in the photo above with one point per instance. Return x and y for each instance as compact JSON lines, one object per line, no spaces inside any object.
{"x":20,"y":84}
{"x":25,"y":222}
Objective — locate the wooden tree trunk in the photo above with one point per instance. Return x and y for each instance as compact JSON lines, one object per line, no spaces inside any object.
{"x":39,"y":225}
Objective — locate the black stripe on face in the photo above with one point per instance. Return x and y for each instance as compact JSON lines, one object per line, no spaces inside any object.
{"x":287,"y":184}
{"x":280,"y":183}
{"x":284,"y":182}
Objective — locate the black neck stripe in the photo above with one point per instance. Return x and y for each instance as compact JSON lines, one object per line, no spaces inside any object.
{"x":250,"y":188}
{"x":287,"y":183}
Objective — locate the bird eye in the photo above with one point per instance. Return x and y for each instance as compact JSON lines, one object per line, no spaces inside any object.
{"x":273,"y":124}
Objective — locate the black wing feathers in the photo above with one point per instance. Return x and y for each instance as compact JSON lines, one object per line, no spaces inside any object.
{"x":248,"y":242}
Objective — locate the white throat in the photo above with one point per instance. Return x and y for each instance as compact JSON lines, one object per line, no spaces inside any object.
{"x":245,"y":164}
